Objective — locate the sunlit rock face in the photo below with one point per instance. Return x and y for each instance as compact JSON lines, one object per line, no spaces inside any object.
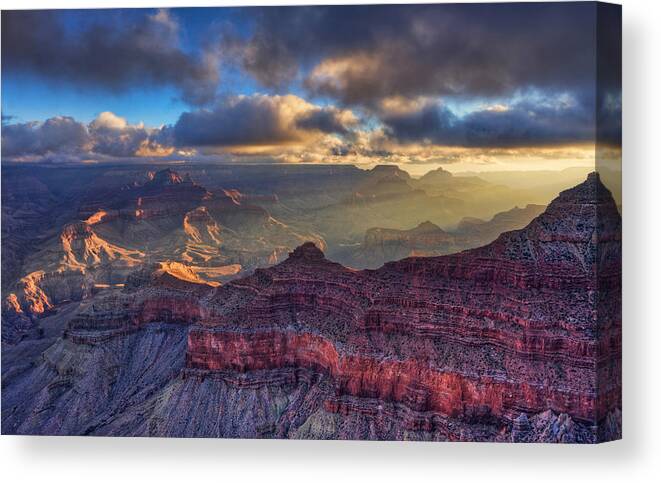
{"x":519,"y":340}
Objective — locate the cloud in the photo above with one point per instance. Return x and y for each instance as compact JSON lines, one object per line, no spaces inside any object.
{"x":242,"y":125}
{"x":58,"y":134}
{"x":259,"y":120}
{"x":543,"y":122}
{"x":110,"y":138}
{"x":113,"y":136}
{"x":107,"y":136}
{"x":360,"y":54}
{"x":609,"y":119}
{"x":327,"y":120}
{"x":110,"y":121}
{"x":120,"y":53}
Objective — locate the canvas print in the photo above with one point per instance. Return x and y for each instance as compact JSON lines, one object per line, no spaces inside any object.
{"x":379,"y":222}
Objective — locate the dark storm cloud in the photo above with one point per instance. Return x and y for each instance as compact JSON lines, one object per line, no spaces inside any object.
{"x":381,"y":51}
{"x":257,"y":120}
{"x":239,"y":122}
{"x":326,"y":120}
{"x":117,"y":54}
{"x":523,"y":124}
{"x":609,"y":118}
{"x":609,"y":75}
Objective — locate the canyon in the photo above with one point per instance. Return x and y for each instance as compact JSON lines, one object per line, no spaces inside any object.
{"x":517,"y":340}
{"x":163,"y":217}
{"x":71,"y":233}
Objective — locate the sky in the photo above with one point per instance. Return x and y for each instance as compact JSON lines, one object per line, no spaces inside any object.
{"x":463,"y":86}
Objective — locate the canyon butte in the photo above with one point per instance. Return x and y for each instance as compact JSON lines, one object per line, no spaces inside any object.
{"x":516,"y":340}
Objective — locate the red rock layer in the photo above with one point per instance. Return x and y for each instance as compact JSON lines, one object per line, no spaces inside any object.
{"x":412,"y":382}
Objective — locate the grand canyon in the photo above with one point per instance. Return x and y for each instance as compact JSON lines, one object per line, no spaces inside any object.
{"x":165,"y":308}
{"x":352,"y":222}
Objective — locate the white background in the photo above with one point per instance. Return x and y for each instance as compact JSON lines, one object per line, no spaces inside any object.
{"x":635,"y":458}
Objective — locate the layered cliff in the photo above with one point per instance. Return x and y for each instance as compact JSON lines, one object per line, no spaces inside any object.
{"x":511,"y":328}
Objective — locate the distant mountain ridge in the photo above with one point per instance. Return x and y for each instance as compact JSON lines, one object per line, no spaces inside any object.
{"x":381,"y":245}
